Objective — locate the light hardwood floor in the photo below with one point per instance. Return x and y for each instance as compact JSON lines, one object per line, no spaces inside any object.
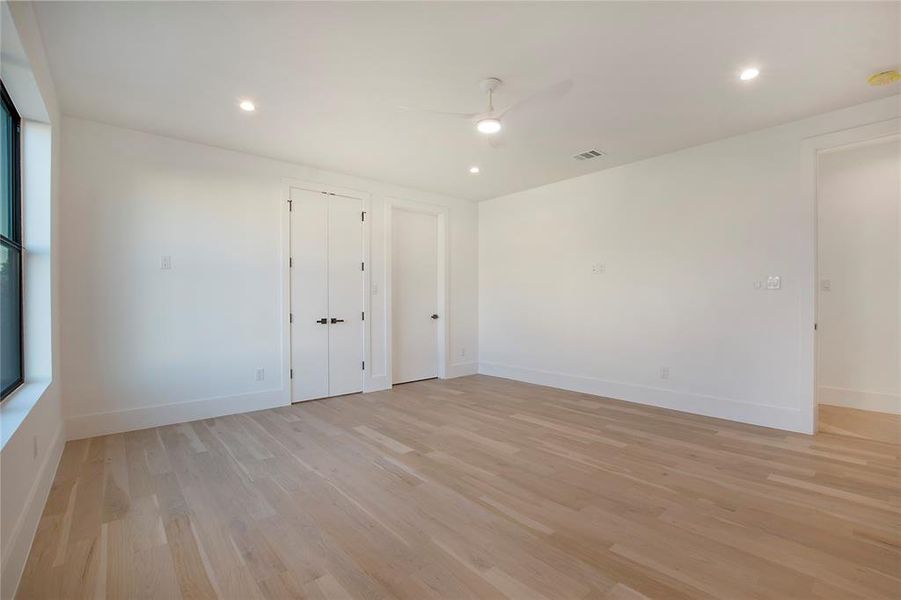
{"x":866,"y":424}
{"x":472,"y":487}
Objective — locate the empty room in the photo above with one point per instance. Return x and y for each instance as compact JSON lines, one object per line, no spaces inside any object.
{"x":446,"y":300}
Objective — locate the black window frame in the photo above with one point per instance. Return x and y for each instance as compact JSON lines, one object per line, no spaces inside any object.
{"x":16,"y":241}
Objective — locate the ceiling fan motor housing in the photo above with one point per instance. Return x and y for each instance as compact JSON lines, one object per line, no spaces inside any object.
{"x":489,"y":85}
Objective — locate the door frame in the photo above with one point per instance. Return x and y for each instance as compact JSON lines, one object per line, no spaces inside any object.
{"x":366,"y":202}
{"x":811,"y":148}
{"x":441,"y":212}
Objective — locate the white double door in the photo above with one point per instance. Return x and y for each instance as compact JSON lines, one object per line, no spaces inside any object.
{"x":326,"y":295}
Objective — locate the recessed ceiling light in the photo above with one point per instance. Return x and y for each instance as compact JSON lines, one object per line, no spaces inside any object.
{"x":473,"y":170}
{"x":247,"y":106}
{"x":488,"y":126}
{"x":749,"y":74}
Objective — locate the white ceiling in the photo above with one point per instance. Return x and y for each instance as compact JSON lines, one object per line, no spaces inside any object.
{"x":327,"y":78}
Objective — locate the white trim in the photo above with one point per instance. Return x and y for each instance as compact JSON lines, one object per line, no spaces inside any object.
{"x":810,"y":150}
{"x":378,"y":384}
{"x":442,"y":213}
{"x":884,"y":402}
{"x":462,"y":370}
{"x":367,"y":295}
{"x":285,"y":306}
{"x":22,"y":535}
{"x":882,"y":139}
{"x":131,"y":419}
{"x":701,"y":404}
{"x":17,"y":406}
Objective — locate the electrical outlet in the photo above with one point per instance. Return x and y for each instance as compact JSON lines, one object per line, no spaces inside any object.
{"x":261,"y":374}
{"x":598,"y":268}
{"x":773,"y":282}
{"x":664,"y":372}
{"x":165,"y":263}
{"x":462,"y":352}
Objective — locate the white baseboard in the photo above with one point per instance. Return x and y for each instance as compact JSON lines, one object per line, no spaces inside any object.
{"x":875,"y":401}
{"x":376,"y":383}
{"x":119,"y":421}
{"x":461,"y":370}
{"x":22,"y":534}
{"x":710,"y":406}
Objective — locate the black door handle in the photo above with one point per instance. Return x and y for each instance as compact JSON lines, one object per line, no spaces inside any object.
{"x":334,"y":320}
{"x":322,"y":321}
{"x":434,"y":316}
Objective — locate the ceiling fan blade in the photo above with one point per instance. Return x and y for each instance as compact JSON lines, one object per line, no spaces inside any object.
{"x":553,"y":91}
{"x":440,"y":113}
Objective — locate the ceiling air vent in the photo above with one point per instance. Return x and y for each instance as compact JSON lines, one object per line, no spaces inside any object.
{"x":588,"y":155}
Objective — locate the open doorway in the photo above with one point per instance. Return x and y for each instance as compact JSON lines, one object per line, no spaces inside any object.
{"x":858,"y":382}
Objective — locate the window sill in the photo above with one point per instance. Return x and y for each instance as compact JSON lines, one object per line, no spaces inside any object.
{"x":15,"y":408}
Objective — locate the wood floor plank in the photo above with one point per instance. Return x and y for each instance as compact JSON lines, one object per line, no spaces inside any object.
{"x":866,"y":424}
{"x":476,"y":487}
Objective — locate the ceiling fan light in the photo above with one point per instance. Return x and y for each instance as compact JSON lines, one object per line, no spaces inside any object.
{"x":488,"y":126}
{"x":749,"y":74}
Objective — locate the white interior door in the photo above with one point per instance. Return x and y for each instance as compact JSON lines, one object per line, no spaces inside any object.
{"x":309,"y":295}
{"x":345,"y":292}
{"x":326,"y":295}
{"x":414,"y":296}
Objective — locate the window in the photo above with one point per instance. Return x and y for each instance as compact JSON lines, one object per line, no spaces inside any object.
{"x":11,"y":371}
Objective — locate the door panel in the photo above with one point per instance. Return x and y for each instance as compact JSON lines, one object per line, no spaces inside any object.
{"x":345,"y":285}
{"x":309,"y":295}
{"x":414,"y":295}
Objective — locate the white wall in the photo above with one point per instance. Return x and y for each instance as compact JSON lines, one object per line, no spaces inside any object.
{"x":141,"y":345}
{"x":31,"y":420}
{"x":683,"y":238}
{"x":858,"y":203}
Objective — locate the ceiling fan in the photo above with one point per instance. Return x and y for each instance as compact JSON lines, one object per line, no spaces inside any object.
{"x":489,"y":121}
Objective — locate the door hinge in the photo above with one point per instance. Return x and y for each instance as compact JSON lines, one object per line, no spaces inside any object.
{"x":292,"y":374}
{"x":290,"y":206}
{"x":364,"y":365}
{"x":363,"y":216}
{"x":814,"y":326}
{"x":290,"y":262}
{"x":362,"y":266}
{"x":363,"y":315}
{"x":290,"y":317}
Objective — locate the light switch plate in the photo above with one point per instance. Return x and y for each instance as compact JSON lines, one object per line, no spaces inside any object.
{"x":773,"y":282}
{"x":166,"y":263}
